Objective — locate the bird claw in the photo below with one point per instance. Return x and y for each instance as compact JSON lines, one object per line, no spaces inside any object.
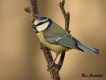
{"x":53,"y":64}
{"x":41,"y":46}
{"x":50,"y":65}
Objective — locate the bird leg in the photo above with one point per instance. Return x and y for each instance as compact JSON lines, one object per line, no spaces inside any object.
{"x":60,"y":63}
{"x":53,"y":64}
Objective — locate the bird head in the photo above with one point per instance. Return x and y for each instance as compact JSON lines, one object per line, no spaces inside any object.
{"x":42,"y":23}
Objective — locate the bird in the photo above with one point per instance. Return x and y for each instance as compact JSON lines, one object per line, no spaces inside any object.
{"x":55,"y":38}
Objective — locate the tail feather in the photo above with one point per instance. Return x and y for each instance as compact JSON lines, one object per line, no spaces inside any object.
{"x":92,"y":50}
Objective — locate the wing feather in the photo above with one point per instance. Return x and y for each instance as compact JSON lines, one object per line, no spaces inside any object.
{"x":57,"y":35}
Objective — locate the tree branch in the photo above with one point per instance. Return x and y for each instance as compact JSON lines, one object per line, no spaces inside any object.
{"x":67,"y":20}
{"x":49,"y":59}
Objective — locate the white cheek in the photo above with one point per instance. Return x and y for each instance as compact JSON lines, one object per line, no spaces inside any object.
{"x":42,"y":27}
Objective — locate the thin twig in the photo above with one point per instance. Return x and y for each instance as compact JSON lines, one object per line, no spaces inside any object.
{"x":49,"y":59}
{"x":66,"y":15}
{"x":67,"y":20}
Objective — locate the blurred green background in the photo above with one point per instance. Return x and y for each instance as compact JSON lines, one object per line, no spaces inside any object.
{"x":20,"y":55}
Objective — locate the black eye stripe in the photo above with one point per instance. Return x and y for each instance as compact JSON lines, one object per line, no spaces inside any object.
{"x":41,"y":23}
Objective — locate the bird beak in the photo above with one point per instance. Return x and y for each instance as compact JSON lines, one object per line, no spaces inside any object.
{"x":33,"y":26}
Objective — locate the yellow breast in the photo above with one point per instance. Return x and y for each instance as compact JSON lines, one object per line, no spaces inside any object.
{"x":53,"y":47}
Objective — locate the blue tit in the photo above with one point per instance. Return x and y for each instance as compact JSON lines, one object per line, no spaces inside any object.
{"x":56,"y":38}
